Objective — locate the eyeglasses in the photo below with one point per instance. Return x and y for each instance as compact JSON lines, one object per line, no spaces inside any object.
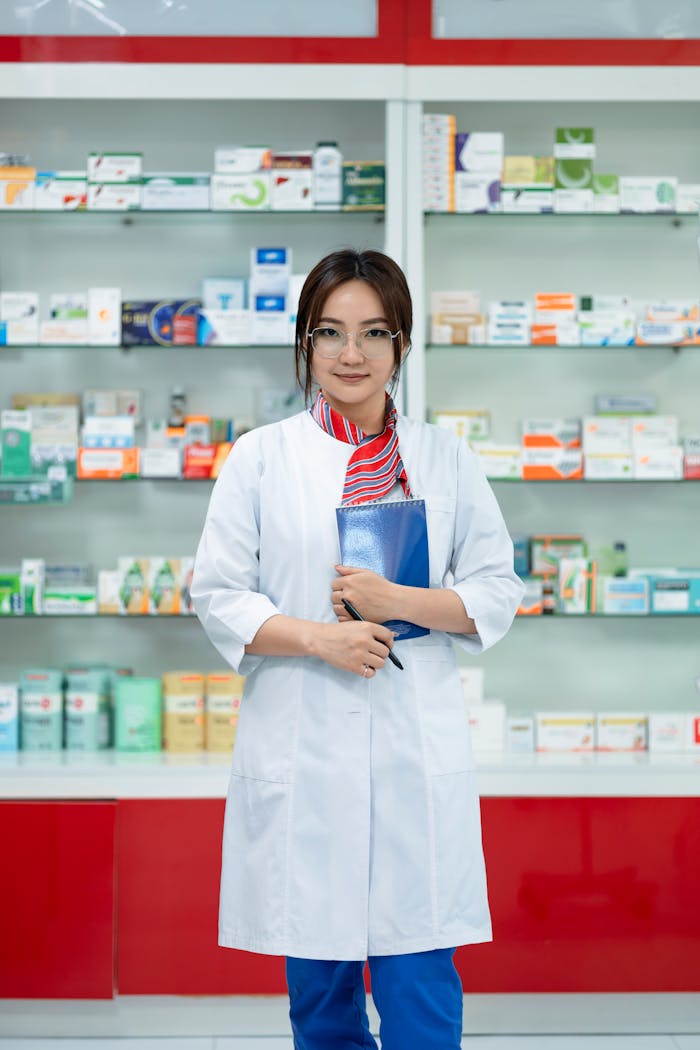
{"x":370,"y":342}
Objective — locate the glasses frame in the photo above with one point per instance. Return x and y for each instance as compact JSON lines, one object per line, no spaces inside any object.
{"x":346,"y":336}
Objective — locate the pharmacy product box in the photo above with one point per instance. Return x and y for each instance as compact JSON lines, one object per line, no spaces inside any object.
{"x":688,"y":198}
{"x":69,"y":332}
{"x":479,"y":151}
{"x":41,"y":710}
{"x":547,"y":551}
{"x":508,"y":333}
{"x":363,"y":185}
{"x":477,"y":192}
{"x":500,"y":460}
{"x":17,"y":188}
{"x":509,"y":311}
{"x":520,"y":734}
{"x":607,"y":434}
{"x":565,"y":731}
{"x":666,"y":732}
{"x":160,"y":463}
{"x":577,"y":586}
{"x":640,"y":193}
{"x":328,"y":176}
{"x":32,"y":579}
{"x":108,"y":464}
{"x":199,"y":461}
{"x":112,"y":403}
{"x":621,"y":731}
{"x":573,"y":201}
{"x":269,"y":320}
{"x":114,"y":196}
{"x":198,"y":430}
{"x":9,"y":716}
{"x":137,"y":714}
{"x":555,"y":334}
{"x":242,"y":160}
{"x":181,"y":191}
{"x":691,"y":466}
{"x":613,"y":466}
{"x":659,"y":464}
{"x":292,"y":181}
{"x":576,"y":143}
{"x":69,"y":600}
{"x":223,"y":695}
{"x":133,"y":585}
{"x":60,"y":191}
{"x":528,"y":171}
{"x":108,"y":432}
{"x":66,"y":306}
{"x":625,"y":404}
{"x":183,"y":711}
{"x":270,"y":271}
{"x":530,"y":200}
{"x":104,"y":316}
{"x":521,"y":555}
{"x":677,"y":310}
{"x":573,"y":174}
{"x":624,"y":595}
{"x":16,"y":429}
{"x":164,"y":586}
{"x":552,"y":464}
{"x":240,"y":192}
{"x":10,"y":591}
{"x":472,"y":681}
{"x":532,"y":601}
{"x":108,"y":592}
{"x":224,"y":293}
{"x":487,"y":723}
{"x":551,"y":433}
{"x":224,"y":328}
{"x":665,"y":333}
{"x":186,"y":574}
{"x":555,"y":306}
{"x":20,"y":313}
{"x":654,"y":432}
{"x":606,"y":193}
{"x":607,"y":328}
{"x":114,"y":167}
{"x":87,"y":710}
{"x":160,"y":322}
{"x":675,"y":595}
{"x":470,"y":423}
{"x":692,"y":732}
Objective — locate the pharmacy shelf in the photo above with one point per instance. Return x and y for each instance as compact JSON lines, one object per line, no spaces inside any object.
{"x":592,"y":481}
{"x":598,"y":349}
{"x":676,"y":217}
{"x":132,"y":213}
{"x":110,"y":774}
{"x":23,"y":491}
{"x":126,"y":347}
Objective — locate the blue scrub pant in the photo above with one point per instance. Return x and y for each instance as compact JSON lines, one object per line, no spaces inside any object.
{"x":418,"y":998}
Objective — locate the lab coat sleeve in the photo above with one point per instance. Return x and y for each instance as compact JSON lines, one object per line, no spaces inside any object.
{"x":226,"y":570}
{"x":482,"y":557}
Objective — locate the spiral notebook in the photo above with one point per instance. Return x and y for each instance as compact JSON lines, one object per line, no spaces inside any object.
{"x":391,"y":539}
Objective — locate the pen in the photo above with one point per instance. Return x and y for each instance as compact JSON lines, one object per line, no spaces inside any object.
{"x":356,"y":616}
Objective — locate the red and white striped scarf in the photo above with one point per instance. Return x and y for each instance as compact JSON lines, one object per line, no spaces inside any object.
{"x":376,"y":465}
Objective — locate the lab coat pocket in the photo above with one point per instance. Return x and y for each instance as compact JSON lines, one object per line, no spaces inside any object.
{"x":266,"y":733}
{"x":440,"y":511}
{"x":443,"y":712}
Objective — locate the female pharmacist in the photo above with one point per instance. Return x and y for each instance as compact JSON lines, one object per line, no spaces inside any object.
{"x":352,"y":826}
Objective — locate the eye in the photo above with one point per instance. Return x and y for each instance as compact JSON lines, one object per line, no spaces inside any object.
{"x":327,"y":333}
{"x":375,"y":333}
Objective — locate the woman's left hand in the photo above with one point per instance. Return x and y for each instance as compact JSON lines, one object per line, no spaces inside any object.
{"x":372,"y":595}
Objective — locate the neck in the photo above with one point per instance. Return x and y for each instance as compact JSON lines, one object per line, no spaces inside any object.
{"x":370,"y":416}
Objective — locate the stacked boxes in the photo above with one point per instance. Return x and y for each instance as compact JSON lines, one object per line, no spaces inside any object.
{"x":114,"y":181}
{"x":478,"y":166}
{"x":241,"y":179}
{"x":527,"y":184}
{"x":439,"y":132}
{"x":574,"y":152}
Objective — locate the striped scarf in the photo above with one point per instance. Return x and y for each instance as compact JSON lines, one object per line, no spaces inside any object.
{"x":376,"y":465}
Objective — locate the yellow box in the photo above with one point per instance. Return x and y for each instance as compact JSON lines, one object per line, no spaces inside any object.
{"x":223,"y":691}
{"x":183,"y":711}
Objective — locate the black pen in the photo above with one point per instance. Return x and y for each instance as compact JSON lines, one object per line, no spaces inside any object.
{"x":356,"y":616}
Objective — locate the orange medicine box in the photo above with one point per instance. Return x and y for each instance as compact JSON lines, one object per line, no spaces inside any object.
{"x":108,"y":464}
{"x":552,"y":464}
{"x":551,"y":433}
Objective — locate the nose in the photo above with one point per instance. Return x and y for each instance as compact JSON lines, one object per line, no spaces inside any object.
{"x":350,"y":353}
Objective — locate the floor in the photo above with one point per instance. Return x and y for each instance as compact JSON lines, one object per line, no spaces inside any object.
{"x":506,"y":1022}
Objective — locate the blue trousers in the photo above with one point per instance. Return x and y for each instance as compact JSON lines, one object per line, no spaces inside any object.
{"x":418,"y":998}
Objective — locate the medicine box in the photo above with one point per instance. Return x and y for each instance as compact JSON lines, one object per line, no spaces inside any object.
{"x":163,"y":322}
{"x":107,"y":591}
{"x":240,"y":192}
{"x":521,"y":555}
{"x":108,"y":432}
{"x":479,"y":151}
{"x":9,"y":716}
{"x":242,"y":160}
{"x":292,"y":181}
{"x":640,"y":193}
{"x":114,"y":167}
{"x":224,"y":327}
{"x":688,"y":198}
{"x":659,"y":464}
{"x":574,"y":142}
{"x":624,"y":595}
{"x":606,"y":193}
{"x":551,"y":433}
{"x":675,"y":595}
{"x":60,"y":191}
{"x":269,"y":320}
{"x":477,"y":192}
{"x":104,"y":316}
{"x":666,"y":732}
{"x":17,"y":185}
{"x":613,"y":466}
{"x":547,"y":551}
{"x":223,"y":293}
{"x":108,"y":464}
{"x":520,"y":734}
{"x":552,"y":464}
{"x":532,"y":601}
{"x":654,"y":432}
{"x":607,"y":434}
{"x":623,"y":731}
{"x":175,"y":191}
{"x":70,"y":600}
{"x":161,"y":463}
{"x":19,"y":312}
{"x":222,"y":702}
{"x":471,"y":424}
{"x":692,"y":732}
{"x":16,"y":427}
{"x":133,"y":585}
{"x":577,"y":585}
{"x":565,"y":731}
{"x":625,"y":404}
{"x":487,"y":725}
{"x":113,"y":196}
{"x":500,"y":460}
{"x":472,"y":679}
{"x":363,"y":185}
{"x":270,"y":271}
{"x":183,"y":711}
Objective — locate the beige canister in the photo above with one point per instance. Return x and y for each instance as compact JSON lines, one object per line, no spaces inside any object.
{"x":224,"y":691}
{"x":183,"y":711}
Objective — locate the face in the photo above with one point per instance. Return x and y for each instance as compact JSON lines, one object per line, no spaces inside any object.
{"x":354,"y":385}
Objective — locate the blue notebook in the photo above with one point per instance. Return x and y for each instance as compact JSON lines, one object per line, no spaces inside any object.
{"x":391,"y":539}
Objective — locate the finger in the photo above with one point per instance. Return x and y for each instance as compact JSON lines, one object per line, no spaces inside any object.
{"x":366,"y":671}
{"x":383,"y":635}
{"x":337,"y":585}
{"x":347,"y":570}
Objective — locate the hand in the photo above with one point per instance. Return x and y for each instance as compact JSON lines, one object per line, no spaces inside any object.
{"x":372,"y":595}
{"x":358,"y":646}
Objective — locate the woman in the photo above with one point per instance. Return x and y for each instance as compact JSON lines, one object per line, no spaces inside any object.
{"x":352,"y":825}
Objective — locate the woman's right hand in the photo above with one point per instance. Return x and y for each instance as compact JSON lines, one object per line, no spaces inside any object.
{"x":357,"y":646}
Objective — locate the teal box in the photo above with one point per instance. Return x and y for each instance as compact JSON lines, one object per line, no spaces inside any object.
{"x":677,"y":595}
{"x":138,"y":724}
{"x":9,"y":716}
{"x":521,"y":555}
{"x":41,"y":710}
{"x":87,"y":710}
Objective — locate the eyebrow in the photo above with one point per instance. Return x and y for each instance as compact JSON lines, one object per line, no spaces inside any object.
{"x":370,"y":320}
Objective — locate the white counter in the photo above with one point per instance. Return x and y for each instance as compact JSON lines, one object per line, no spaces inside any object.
{"x":111,"y":775}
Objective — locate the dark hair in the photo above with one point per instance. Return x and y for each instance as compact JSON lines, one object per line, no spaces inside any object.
{"x":381,"y":273}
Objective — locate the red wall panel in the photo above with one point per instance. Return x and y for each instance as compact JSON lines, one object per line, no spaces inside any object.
{"x":57,"y":893}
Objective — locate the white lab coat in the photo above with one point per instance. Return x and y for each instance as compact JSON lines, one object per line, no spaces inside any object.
{"x":352,"y":822}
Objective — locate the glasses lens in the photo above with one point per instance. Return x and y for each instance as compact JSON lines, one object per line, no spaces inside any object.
{"x":327,"y":342}
{"x":374,"y":342}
